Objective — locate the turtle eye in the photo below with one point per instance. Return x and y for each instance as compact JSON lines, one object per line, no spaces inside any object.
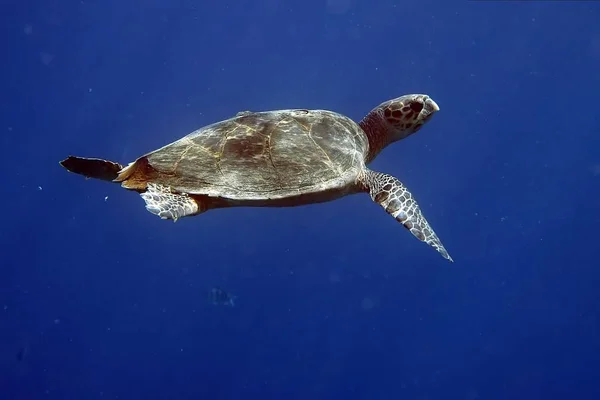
{"x":416,"y":106}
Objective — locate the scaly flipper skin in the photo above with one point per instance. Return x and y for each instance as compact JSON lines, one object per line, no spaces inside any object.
{"x":397,"y":201}
{"x":167,"y":205}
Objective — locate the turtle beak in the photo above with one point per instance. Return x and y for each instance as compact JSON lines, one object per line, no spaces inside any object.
{"x":431,"y":105}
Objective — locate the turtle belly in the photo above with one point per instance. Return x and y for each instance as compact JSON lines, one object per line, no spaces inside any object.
{"x":312,"y":195}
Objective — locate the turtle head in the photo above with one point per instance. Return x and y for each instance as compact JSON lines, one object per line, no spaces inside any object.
{"x":397,"y":119}
{"x":406,"y":115}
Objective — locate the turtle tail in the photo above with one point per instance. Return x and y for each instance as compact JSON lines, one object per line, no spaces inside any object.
{"x":92,"y":167}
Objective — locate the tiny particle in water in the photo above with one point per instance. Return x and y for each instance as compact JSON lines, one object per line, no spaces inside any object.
{"x":46,"y":58}
{"x":334,"y":277}
{"x":218,"y":296}
{"x":367,"y":303}
{"x":39,"y":188}
{"x":106,"y":198}
{"x":23,"y":352}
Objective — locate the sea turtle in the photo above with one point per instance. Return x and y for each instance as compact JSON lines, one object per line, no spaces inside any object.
{"x":276,"y":158}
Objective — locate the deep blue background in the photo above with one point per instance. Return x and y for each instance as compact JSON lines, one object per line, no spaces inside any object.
{"x":336,"y":301}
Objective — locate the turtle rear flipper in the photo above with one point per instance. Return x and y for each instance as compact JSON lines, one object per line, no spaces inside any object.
{"x":161,"y":201}
{"x":92,"y":167}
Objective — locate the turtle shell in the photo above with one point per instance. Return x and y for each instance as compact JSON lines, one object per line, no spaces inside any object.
{"x":264,"y":155}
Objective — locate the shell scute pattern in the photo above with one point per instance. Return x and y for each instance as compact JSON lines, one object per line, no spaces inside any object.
{"x":264,"y":155}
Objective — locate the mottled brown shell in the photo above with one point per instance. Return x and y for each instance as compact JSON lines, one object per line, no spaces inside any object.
{"x":264,"y":155}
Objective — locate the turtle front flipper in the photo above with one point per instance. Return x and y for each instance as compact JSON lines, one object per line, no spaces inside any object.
{"x":161,"y":201}
{"x":397,"y":201}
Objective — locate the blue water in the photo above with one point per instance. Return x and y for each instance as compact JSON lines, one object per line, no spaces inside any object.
{"x":100,"y":299}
